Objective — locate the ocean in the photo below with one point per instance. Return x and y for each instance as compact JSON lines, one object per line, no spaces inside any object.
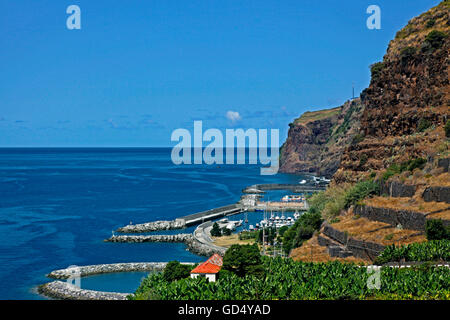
{"x":57,"y":205}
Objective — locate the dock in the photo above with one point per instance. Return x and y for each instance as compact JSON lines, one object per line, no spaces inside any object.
{"x":211,"y":214}
{"x":295,"y":188}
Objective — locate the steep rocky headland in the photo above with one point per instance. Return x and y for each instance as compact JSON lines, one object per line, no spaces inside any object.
{"x":401,"y":115}
{"x":317,"y":140}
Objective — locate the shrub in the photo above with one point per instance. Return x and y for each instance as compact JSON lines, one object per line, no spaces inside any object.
{"x":302,"y":229}
{"x":409,"y":165}
{"x":435,"y":230}
{"x":215,"y":231}
{"x":363,"y":160}
{"x":226,"y":231}
{"x":375,"y":70}
{"x":360,"y":191}
{"x":406,"y":54}
{"x":430,"y":23}
{"x":434,"y":40}
{"x":423,"y":125}
{"x":420,"y":251}
{"x":174,"y":270}
{"x":243,"y":260}
{"x":447,"y":129}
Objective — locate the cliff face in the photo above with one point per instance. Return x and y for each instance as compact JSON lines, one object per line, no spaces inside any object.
{"x":407,"y":103}
{"x":400,"y":116}
{"x":316,"y":140}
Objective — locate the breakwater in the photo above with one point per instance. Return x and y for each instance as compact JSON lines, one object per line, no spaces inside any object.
{"x":66,"y":291}
{"x":83,"y":271}
{"x":193,"y":244}
{"x":182,"y":237}
{"x":153,"y":226}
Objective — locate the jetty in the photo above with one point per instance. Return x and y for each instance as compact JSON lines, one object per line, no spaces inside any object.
{"x":207,"y":215}
{"x":295,"y":188}
{"x":185,"y":221}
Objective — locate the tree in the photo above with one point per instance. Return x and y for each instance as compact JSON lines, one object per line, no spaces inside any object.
{"x":435,"y":230}
{"x":226,"y":231}
{"x":174,"y":270}
{"x":215,"y":231}
{"x":243,"y":260}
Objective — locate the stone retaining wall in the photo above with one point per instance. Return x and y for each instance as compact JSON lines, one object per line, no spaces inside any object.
{"x":334,"y":234}
{"x":364,"y":249}
{"x":407,"y":219}
{"x":438,"y":194}
{"x":153,"y":226}
{"x":397,"y":189}
{"x":444,"y":163}
{"x":358,"y":248}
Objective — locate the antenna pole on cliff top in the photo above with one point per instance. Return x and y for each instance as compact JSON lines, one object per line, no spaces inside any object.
{"x":353,"y":90}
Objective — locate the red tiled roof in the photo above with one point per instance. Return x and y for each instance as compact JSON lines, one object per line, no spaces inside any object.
{"x":212,"y":265}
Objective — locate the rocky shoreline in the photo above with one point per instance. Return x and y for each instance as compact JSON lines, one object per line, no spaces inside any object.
{"x":153,"y":226}
{"x":66,"y":291}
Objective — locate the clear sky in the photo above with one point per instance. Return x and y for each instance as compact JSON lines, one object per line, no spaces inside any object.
{"x":138,"y":69}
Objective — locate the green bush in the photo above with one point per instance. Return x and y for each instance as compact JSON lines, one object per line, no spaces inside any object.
{"x":435,"y":230}
{"x":174,"y":270}
{"x":406,"y":54}
{"x":226,"y":231}
{"x":363,"y":160}
{"x":419,"y":251}
{"x":243,"y":260}
{"x":430,"y":23}
{"x":361,"y":190}
{"x":447,"y":129}
{"x":409,"y":165}
{"x":375,"y":70}
{"x":434,"y":40}
{"x":215,"y":231}
{"x":423,"y":125}
{"x":302,"y":229}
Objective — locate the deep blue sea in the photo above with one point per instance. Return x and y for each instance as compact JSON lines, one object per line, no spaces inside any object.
{"x":58,"y":205}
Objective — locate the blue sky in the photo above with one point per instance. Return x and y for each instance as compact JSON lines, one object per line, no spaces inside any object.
{"x":137,"y":69}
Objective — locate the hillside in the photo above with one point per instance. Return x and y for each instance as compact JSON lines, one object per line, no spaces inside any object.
{"x":392,"y":180}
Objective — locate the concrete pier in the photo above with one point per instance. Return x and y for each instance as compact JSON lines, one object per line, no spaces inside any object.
{"x":207,"y":215}
{"x":295,"y":188}
{"x":183,"y":222}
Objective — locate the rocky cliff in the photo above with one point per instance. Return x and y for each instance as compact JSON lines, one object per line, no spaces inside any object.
{"x":317,"y":140}
{"x":401,"y":115}
{"x":407,"y":102}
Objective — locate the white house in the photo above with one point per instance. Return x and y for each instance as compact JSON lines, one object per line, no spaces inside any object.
{"x":209,"y":268}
